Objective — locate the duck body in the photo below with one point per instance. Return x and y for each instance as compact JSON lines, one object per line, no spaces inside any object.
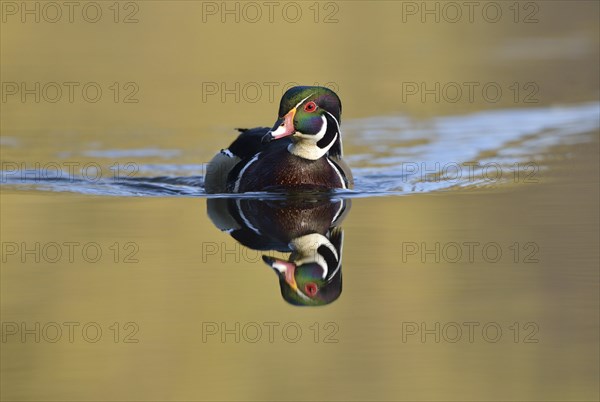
{"x":303,"y":151}
{"x":276,"y":169}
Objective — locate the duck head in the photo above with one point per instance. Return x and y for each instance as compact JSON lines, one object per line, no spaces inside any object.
{"x":313,"y":274}
{"x":310,"y":117}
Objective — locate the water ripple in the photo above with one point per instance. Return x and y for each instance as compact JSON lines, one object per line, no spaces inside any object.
{"x":398,"y":155}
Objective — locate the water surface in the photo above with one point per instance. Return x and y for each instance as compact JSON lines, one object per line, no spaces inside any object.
{"x":510,"y":185}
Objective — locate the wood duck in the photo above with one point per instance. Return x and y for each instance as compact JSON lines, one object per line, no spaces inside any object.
{"x":303,"y":150}
{"x":306,"y":227}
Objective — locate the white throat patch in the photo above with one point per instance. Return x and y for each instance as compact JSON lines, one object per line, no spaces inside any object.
{"x":306,"y":246}
{"x":306,"y":144}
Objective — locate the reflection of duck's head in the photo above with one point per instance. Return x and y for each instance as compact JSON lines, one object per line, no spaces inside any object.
{"x":313,"y":274}
{"x":305,"y":226}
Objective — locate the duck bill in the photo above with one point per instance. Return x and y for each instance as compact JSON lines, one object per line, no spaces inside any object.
{"x":283,"y":268}
{"x":283,"y":127}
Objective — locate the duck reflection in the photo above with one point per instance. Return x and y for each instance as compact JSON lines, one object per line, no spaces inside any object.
{"x":308,"y":228}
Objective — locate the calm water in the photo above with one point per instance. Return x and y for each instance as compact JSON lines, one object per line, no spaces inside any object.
{"x":468,"y":247}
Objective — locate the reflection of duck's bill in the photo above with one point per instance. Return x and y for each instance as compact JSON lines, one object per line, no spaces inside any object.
{"x":284,"y":268}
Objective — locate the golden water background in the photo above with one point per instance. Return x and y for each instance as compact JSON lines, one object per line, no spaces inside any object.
{"x":174,"y":289}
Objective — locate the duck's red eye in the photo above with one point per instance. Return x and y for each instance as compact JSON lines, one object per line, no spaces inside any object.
{"x":311,"y":289}
{"x":310,"y":107}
